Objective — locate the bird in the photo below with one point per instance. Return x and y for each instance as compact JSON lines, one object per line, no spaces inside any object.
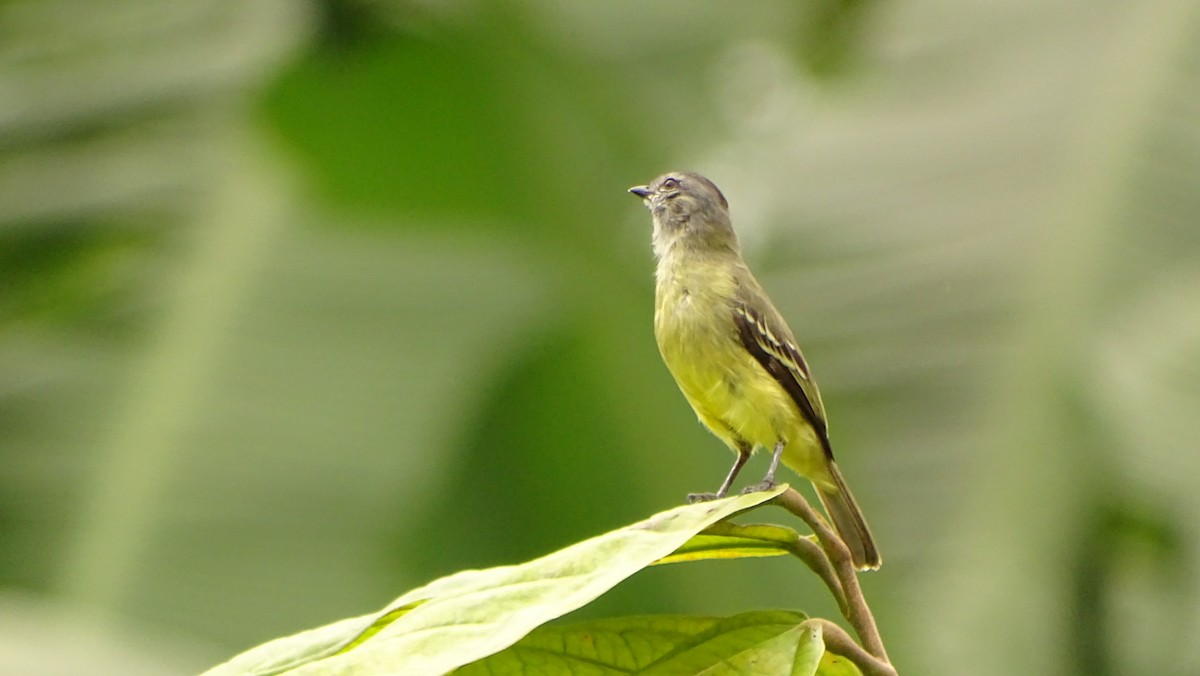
{"x":733,"y":356}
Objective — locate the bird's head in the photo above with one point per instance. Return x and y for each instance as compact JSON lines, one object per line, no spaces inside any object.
{"x":687,"y":208}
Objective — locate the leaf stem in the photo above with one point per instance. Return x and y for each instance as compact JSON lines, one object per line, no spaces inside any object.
{"x":850,"y":597}
{"x":837,"y":641}
{"x":811,"y":554}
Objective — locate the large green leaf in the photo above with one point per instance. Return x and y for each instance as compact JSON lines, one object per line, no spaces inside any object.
{"x":761,"y":642}
{"x":472,"y":614}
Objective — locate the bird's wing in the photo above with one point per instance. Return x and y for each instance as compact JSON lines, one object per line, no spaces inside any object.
{"x":769,"y":341}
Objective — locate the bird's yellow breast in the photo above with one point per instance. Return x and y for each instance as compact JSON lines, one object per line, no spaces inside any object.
{"x":732,"y":394}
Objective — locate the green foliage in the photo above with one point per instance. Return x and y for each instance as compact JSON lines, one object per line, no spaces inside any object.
{"x":728,"y":541}
{"x":469,"y":616}
{"x":282,"y":282}
{"x":755,"y":643}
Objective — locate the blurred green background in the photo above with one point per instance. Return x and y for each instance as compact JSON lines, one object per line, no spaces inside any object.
{"x":303,"y":304}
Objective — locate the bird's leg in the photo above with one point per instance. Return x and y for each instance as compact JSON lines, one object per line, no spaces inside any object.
{"x":743,"y":454}
{"x":768,"y":481}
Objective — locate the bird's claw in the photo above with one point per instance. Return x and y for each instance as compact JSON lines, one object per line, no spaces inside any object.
{"x":759,"y":487}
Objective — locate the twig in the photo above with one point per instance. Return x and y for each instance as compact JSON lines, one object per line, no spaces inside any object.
{"x":837,"y":641}
{"x":856,"y":610}
{"x":811,"y":554}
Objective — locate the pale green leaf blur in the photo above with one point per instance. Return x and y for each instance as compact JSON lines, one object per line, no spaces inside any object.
{"x":304,"y":304}
{"x":471,"y":614}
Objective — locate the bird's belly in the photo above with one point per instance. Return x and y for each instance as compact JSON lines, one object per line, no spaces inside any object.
{"x":731,"y":393}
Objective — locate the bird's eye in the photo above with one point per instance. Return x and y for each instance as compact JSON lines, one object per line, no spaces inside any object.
{"x":670,"y":184}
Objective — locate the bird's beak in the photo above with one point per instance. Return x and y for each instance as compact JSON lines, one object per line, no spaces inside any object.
{"x":642,"y":191}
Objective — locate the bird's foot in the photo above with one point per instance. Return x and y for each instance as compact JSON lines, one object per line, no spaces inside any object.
{"x":759,"y":487}
{"x":693,"y":498}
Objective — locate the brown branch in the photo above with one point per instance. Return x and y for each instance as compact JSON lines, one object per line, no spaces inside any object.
{"x":855,"y":609}
{"x":838,"y":642}
{"x":812,"y":555}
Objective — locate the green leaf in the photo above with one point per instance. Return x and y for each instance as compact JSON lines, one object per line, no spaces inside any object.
{"x":836,"y":665}
{"x":767,"y":642}
{"x":724,"y":540}
{"x":759,"y":642}
{"x":473,"y":614}
{"x":284,"y":654}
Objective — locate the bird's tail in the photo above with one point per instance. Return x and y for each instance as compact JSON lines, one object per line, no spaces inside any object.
{"x":848,"y":521}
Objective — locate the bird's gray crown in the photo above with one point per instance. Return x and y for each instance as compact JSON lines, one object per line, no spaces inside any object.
{"x":674,"y":184}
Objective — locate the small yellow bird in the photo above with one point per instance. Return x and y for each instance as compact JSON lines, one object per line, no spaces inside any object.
{"x":732,"y":354}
